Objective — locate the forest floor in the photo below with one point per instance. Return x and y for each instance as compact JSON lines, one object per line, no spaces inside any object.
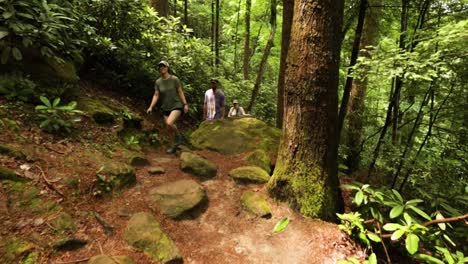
{"x":220,"y":231}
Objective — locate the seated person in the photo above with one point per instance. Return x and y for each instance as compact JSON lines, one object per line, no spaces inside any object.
{"x":236,"y":110}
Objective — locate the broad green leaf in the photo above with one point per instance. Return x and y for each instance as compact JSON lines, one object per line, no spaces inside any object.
{"x":17,"y":54}
{"x":397,"y":234}
{"x":449,"y":240}
{"x":414,"y":201}
{"x":412,"y":243}
{"x":419,"y":212}
{"x":428,"y":259}
{"x":281,"y":225}
{"x":397,"y":195}
{"x":392,"y":227}
{"x":407,"y":218}
{"x":56,"y":102}
{"x":45,"y":101}
{"x":7,"y":15}
{"x":374,"y":237}
{"x":396,"y":211}
{"x":359,"y":198}
{"x":439,"y":216}
{"x":348,"y":186}
{"x":3,"y":34}
{"x":372,"y":259}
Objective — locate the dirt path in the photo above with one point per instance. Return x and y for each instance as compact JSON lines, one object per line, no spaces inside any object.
{"x":220,"y":231}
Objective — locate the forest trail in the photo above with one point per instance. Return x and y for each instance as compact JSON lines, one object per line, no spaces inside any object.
{"x":220,"y":231}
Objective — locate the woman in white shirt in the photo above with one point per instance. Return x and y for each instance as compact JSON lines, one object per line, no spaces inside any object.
{"x":236,"y":110}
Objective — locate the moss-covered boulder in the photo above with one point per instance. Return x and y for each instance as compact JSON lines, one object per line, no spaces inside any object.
{"x":7,"y":174}
{"x":260,"y":159}
{"x":100,"y":112}
{"x":232,"y":136}
{"x":12,"y":152}
{"x":103,"y":259}
{"x":63,"y":223}
{"x":144,"y":233}
{"x":15,"y":250}
{"x":197,"y":165}
{"x":139,"y":160}
{"x":255,"y":203}
{"x":114,"y":176}
{"x":175,"y":198}
{"x":249,"y":174}
{"x":26,"y":198}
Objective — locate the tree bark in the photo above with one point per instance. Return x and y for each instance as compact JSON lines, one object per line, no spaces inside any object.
{"x":245,"y":67}
{"x":217,"y":60}
{"x":236,"y":38}
{"x":288,"y":10}
{"x":266,"y":54}
{"x":186,"y":12}
{"x":162,"y":7}
{"x":358,"y":92}
{"x":306,"y":169}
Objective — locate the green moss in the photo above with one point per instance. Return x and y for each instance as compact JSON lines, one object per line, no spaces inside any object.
{"x":249,"y":174}
{"x":13,"y":250}
{"x":260,"y":159}
{"x":101,"y":113}
{"x":12,"y":152}
{"x":63,"y":223}
{"x":305,"y":188}
{"x":255,"y":203}
{"x":31,"y":258}
{"x":26,"y":198}
{"x":7,"y":174}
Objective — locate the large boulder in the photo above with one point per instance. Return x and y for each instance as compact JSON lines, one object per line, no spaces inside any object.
{"x":236,"y":135}
{"x":144,"y":233}
{"x":260,"y":159}
{"x":100,"y":112}
{"x":197,"y":165}
{"x":103,"y":259}
{"x":249,"y":174}
{"x":255,"y":203}
{"x":175,"y":198}
{"x":113,"y":176}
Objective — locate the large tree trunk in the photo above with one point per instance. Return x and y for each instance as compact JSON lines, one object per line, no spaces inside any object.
{"x":306,"y":169}
{"x":288,"y":10}
{"x":266,"y":54}
{"x":358,"y":91}
{"x":217,"y":35}
{"x":245,"y":67}
{"x":236,"y":38}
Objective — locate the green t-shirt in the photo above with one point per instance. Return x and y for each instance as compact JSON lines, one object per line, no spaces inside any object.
{"x":168,"y":96}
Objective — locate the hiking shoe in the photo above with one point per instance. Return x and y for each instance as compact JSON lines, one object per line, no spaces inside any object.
{"x":172,"y":150}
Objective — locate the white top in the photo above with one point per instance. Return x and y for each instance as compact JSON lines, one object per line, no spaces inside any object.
{"x":210,"y":104}
{"x":236,"y":112}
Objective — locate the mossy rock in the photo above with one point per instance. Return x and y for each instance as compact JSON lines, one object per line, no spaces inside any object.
{"x":138,"y":160}
{"x":144,"y":233}
{"x":65,"y":70}
{"x":103,"y":259}
{"x":15,"y":250}
{"x":7,"y":174}
{"x":12,"y":152}
{"x":260,"y":159}
{"x":249,"y":174}
{"x":115,"y":176}
{"x":24,"y":197}
{"x":255,"y":203}
{"x":197,"y":165}
{"x":232,"y":136}
{"x":100,"y":112}
{"x":63,"y":223}
{"x":45,"y":69}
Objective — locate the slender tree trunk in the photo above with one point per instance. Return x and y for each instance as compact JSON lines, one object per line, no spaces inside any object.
{"x":186,"y":12}
{"x":245,"y":67}
{"x":354,"y":56}
{"x":212,"y":25}
{"x":288,"y":10}
{"x":306,"y":169}
{"x":266,"y":54}
{"x":175,"y":8}
{"x":358,"y":92}
{"x":217,"y":60}
{"x":162,"y":7}
{"x":236,"y":38}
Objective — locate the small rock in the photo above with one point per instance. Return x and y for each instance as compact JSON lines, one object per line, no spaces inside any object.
{"x":38,"y":221}
{"x":124,"y":213}
{"x":139,"y":161}
{"x":156,"y":170}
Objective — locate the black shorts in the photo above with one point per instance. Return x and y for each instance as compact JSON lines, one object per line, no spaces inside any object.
{"x":167,"y":113}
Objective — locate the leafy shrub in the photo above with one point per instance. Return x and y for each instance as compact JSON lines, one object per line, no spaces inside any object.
{"x":16,"y":87}
{"x":55,"y":117}
{"x":49,"y":27}
{"x":384,"y":214}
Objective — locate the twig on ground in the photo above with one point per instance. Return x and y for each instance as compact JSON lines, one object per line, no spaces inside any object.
{"x":108,"y":229}
{"x":49,"y":183}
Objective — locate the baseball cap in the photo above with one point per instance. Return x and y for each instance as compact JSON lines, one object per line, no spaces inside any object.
{"x":235,"y":102}
{"x":165,"y":63}
{"x":213,"y":80}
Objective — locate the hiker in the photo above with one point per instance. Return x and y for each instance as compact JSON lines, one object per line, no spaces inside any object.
{"x":168,"y":91}
{"x":213,"y":107}
{"x":236,"y":110}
